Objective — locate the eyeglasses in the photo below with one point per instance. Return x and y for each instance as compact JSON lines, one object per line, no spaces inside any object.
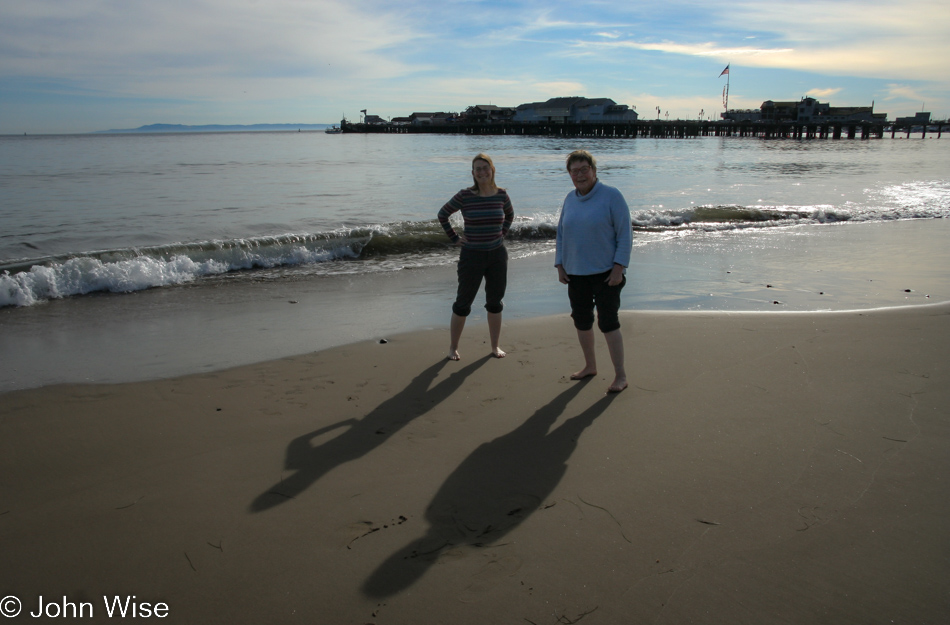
{"x":481,"y":169}
{"x":577,"y":171}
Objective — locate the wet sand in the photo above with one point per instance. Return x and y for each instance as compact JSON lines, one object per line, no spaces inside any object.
{"x":180,"y":330}
{"x":761,"y":468}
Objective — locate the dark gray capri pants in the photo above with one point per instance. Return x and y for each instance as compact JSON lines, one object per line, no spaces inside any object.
{"x":475,"y":265}
{"x":588,"y":292}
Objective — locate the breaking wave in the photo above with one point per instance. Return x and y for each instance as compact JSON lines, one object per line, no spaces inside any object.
{"x":25,"y":282}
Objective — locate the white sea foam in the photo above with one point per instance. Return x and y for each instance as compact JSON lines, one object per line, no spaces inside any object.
{"x":87,"y":275}
{"x":82,"y":275}
{"x":83,"y":214}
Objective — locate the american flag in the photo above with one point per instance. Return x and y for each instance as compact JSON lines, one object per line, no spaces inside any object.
{"x":725,"y":71}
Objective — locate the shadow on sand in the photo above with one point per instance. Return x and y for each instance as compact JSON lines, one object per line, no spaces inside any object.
{"x":492,"y":492}
{"x":363,"y":435}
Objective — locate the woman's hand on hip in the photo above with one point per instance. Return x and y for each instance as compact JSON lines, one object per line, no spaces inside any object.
{"x":616,"y":275}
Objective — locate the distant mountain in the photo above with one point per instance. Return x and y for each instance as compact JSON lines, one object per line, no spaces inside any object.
{"x":217,"y":128}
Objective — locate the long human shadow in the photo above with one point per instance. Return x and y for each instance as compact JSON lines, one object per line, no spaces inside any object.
{"x":492,"y":492}
{"x":363,"y":435}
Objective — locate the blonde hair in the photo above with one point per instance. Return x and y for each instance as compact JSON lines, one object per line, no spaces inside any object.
{"x":481,"y":156}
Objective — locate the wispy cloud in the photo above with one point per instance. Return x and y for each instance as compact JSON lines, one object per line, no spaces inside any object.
{"x":903,"y":92}
{"x":870,"y":38}
{"x":866,"y":38}
{"x":707,"y":49}
{"x":199,"y":48}
{"x":250,"y":60}
{"x":823,"y":93}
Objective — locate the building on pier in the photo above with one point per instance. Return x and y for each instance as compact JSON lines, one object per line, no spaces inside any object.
{"x":432,"y":119}
{"x":574,"y":110}
{"x":806,"y":111}
{"x":602,"y":118}
{"x":919,"y":119}
{"x":488,"y":114}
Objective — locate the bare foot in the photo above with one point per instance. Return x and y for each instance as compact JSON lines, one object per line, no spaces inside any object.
{"x":618,"y":385}
{"x":454,"y":355}
{"x":583,"y":373}
{"x":498,"y":353}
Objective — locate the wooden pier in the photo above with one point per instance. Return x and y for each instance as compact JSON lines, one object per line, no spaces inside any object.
{"x":664,"y":129}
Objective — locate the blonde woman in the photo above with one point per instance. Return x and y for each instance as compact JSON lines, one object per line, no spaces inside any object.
{"x":487,"y":215}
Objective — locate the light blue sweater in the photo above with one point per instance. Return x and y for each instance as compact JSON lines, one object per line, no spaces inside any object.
{"x":594,"y":231}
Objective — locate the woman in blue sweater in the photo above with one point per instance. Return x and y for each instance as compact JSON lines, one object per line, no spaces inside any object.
{"x":487,"y":215}
{"x":594,"y":240}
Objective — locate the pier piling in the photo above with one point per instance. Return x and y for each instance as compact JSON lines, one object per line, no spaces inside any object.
{"x":677,"y":129}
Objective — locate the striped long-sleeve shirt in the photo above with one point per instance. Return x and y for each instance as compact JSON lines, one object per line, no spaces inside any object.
{"x":487,"y":219}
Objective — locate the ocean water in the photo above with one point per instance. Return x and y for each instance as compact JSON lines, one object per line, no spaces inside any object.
{"x":130,"y":256}
{"x":88,"y":213}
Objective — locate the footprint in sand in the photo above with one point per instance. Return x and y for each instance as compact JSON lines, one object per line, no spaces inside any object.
{"x":351,"y":533}
{"x":354,"y":531}
{"x":490,"y":575}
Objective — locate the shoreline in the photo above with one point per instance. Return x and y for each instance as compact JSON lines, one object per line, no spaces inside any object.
{"x":761,"y":467}
{"x":166,"y":332}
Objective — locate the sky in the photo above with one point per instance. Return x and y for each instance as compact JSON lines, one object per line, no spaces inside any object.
{"x":75,"y":66}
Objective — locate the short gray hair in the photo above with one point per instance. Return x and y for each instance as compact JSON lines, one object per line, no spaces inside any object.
{"x":578,"y":156}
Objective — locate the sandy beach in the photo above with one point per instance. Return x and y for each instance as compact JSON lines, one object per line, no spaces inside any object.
{"x":170,"y":332}
{"x":762,"y":468}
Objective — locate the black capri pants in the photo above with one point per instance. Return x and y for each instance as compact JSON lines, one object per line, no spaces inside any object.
{"x":475,"y":265}
{"x":589,"y":292}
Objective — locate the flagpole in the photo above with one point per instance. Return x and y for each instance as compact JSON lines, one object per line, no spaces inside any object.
{"x":728,"y":76}
{"x":725,"y":90}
